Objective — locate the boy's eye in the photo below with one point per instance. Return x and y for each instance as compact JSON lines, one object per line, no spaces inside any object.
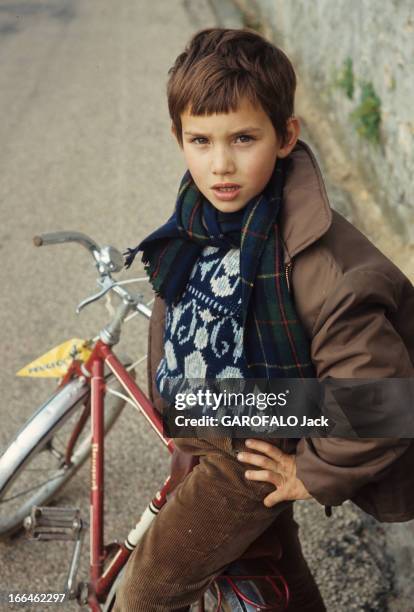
{"x":243,"y":138}
{"x":197,"y":138}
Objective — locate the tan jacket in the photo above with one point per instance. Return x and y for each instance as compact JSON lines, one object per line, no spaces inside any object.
{"x":357,"y":308}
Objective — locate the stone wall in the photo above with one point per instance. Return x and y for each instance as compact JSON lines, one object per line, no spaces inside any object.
{"x":357,"y":56}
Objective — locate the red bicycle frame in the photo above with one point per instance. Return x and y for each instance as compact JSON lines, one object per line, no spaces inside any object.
{"x":93,"y":369}
{"x":100,"y":580}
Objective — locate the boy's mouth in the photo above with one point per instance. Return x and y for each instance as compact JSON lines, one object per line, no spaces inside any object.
{"x":226,"y":191}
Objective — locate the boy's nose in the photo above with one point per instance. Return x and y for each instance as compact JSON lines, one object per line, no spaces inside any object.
{"x":222,"y":163}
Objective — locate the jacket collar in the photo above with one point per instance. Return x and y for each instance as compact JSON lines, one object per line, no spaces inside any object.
{"x":306,"y":214}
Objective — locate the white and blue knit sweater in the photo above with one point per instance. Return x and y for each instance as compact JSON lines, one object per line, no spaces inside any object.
{"x":203,"y":333}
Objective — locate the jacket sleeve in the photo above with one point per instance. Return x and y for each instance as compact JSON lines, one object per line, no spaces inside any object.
{"x":353,"y":337}
{"x":156,"y":351}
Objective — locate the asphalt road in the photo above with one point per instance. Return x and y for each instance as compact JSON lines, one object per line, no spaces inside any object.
{"x":85,"y":145}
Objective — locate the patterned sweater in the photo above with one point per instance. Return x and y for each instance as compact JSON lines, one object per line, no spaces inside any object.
{"x":203,"y":332}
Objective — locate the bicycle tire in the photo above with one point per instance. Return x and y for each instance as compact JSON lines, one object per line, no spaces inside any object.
{"x":36,"y":437}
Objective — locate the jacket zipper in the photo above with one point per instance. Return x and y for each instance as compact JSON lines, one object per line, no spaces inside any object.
{"x":288,"y":266}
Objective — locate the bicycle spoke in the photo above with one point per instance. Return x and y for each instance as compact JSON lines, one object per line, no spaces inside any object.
{"x":7,"y":499}
{"x":36,"y":470}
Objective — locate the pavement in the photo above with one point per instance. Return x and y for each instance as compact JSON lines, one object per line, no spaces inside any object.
{"x":86,"y":146}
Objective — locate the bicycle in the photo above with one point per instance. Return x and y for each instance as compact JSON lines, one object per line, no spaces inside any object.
{"x":93,"y":373}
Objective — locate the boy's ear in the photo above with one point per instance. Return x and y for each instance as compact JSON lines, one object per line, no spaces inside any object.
{"x":293,"y":128}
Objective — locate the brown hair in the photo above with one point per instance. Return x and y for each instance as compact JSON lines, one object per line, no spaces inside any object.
{"x":219,"y":66}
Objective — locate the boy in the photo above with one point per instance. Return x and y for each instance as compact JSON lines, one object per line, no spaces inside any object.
{"x":257,"y":277}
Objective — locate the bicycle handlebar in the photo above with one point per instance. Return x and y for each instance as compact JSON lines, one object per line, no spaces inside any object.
{"x":65,"y":236}
{"x":107,"y":259}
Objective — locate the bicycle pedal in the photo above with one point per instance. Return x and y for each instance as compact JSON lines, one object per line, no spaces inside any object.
{"x":54,"y":523}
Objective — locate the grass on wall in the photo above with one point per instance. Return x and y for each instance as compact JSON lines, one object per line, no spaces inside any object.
{"x":345,"y":78}
{"x":367,"y":115}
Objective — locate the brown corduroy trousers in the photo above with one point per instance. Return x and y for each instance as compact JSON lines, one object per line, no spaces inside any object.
{"x":213,"y":518}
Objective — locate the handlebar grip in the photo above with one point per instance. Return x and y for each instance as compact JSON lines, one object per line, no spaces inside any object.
{"x":53,"y":238}
{"x":66,"y":236}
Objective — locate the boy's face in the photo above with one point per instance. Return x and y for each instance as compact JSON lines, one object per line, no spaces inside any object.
{"x":238,"y":148}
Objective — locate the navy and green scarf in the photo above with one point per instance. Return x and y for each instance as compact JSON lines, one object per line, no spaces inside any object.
{"x":275,"y":343}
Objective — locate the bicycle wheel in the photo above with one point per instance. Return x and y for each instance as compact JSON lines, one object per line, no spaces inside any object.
{"x":33,"y":467}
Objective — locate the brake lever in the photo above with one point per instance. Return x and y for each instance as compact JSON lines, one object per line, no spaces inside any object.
{"x":107,"y":285}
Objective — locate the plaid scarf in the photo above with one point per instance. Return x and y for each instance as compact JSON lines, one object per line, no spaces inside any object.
{"x":275,"y":343}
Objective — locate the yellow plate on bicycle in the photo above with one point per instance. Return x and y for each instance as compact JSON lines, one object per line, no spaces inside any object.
{"x":55,"y":363}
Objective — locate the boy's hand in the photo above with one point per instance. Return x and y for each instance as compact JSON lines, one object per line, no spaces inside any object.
{"x":278,"y":468}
